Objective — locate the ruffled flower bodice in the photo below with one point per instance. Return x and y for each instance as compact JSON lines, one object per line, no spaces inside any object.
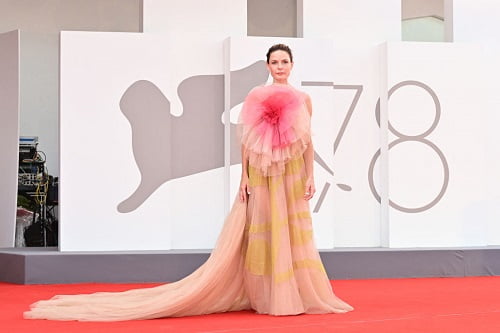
{"x":274,"y":127}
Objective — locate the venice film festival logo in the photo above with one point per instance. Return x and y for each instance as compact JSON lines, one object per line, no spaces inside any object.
{"x":181,"y":140}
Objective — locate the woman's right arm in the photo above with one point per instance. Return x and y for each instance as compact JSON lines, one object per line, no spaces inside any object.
{"x":244,"y":189}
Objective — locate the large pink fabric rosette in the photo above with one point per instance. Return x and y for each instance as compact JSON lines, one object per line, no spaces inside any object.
{"x":274,"y":127}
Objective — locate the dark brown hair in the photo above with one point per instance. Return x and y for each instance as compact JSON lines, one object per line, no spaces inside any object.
{"x":279,"y":47}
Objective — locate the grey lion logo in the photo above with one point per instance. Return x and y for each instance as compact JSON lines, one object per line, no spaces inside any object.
{"x":168,"y":147}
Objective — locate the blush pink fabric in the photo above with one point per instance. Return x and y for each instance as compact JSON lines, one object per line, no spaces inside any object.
{"x":271,"y":111}
{"x":217,"y":286}
{"x":274,"y":127}
{"x":265,"y":258}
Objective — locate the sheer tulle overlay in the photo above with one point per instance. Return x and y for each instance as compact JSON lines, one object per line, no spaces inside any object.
{"x":283,"y":272}
{"x":217,"y":286}
{"x":265,"y":258}
{"x":274,"y":129}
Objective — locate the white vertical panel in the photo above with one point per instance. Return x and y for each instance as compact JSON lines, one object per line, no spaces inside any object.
{"x":490,"y":67}
{"x":98,"y":166}
{"x":98,"y":169}
{"x":383,"y":170}
{"x":476,"y":21}
{"x":9,"y":134}
{"x":490,"y":207}
{"x":214,"y":20}
{"x":357,"y":212}
{"x":196,"y":30}
{"x":357,"y":21}
{"x":417,"y":173}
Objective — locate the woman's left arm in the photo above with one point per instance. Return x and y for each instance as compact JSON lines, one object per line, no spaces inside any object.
{"x":310,"y":189}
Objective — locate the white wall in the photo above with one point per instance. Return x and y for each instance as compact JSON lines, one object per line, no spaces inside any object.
{"x":347,"y":22}
{"x":98,"y":170}
{"x":437,"y":169}
{"x":338,"y":61}
{"x":190,"y":18}
{"x":9,"y":134}
{"x":477,"y":22}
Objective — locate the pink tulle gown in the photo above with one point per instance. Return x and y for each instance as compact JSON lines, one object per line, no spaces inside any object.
{"x":265,"y":258}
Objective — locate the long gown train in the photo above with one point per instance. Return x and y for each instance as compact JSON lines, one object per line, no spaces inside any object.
{"x":216,"y":286}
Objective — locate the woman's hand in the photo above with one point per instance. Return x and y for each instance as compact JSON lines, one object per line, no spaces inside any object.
{"x":244,"y":189}
{"x":309,"y":189}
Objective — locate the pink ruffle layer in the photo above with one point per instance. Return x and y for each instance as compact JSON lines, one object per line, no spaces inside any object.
{"x":274,"y":127}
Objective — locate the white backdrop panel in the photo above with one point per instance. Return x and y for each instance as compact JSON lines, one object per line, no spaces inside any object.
{"x":351,"y":22}
{"x":214,"y":20}
{"x":490,"y":67}
{"x":417,"y":172}
{"x":98,"y":168}
{"x":197,"y":36}
{"x":333,"y":78}
{"x":9,"y":134}
{"x":476,"y":21}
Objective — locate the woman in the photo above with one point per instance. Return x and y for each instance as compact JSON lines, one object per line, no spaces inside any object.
{"x":283,"y":271}
{"x":265,"y":258}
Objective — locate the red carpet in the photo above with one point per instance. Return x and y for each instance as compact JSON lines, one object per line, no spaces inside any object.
{"x":394,"y":305}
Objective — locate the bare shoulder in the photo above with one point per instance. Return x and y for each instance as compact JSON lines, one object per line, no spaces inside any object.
{"x":307,"y":100}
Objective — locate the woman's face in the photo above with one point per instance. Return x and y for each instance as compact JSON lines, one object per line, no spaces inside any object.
{"x":279,"y":66}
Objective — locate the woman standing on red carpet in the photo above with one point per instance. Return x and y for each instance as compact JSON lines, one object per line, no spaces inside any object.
{"x":283,"y":271}
{"x":265,"y":258}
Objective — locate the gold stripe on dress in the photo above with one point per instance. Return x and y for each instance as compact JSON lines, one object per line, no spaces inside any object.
{"x":266,"y":226}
